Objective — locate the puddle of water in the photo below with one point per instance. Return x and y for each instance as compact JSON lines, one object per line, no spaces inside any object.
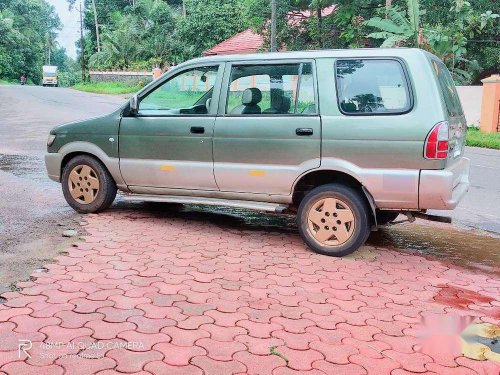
{"x":22,"y":165}
{"x":458,"y":247}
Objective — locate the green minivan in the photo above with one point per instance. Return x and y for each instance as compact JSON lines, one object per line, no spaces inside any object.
{"x":346,"y":139}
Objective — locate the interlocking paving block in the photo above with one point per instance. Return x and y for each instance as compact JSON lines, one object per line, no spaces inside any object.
{"x":147,"y":294}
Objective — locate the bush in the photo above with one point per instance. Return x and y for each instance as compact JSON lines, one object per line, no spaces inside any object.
{"x":477,"y":139}
{"x":113,"y":88}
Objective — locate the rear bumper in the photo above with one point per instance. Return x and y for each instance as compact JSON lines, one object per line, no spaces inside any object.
{"x":53,"y":164}
{"x":443,"y":189}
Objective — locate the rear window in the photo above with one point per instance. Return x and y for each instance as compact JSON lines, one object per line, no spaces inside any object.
{"x":450,"y":95}
{"x":372,"y":86}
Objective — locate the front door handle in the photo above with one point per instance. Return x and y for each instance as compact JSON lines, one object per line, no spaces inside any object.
{"x":197,"y":130}
{"x":304,"y":131}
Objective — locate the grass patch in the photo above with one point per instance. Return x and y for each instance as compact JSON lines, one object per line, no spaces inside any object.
{"x":8,"y":81}
{"x":113,"y":88}
{"x":13,"y":287}
{"x":477,"y":139}
{"x":273,"y":351}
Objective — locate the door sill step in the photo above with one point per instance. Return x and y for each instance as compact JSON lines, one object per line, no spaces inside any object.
{"x":250,"y":205}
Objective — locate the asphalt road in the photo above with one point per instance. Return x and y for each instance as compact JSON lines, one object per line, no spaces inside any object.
{"x":33,"y":212}
{"x":481,"y":206}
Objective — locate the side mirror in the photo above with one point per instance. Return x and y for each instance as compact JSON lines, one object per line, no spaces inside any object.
{"x":134,"y":105}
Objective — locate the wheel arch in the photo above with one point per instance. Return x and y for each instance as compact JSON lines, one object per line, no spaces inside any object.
{"x":70,"y":150}
{"x":313,"y":179}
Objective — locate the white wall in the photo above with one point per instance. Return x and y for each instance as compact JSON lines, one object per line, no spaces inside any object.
{"x":471,"y":98}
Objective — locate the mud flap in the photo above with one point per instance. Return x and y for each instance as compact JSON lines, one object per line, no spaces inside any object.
{"x":371,"y":202}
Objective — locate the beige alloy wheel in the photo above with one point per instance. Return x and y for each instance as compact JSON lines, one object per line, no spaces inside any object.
{"x":83,"y":184}
{"x":331,"y":222}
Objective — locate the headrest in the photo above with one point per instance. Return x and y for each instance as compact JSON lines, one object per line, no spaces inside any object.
{"x":285,"y":104}
{"x":281,"y":103}
{"x":251,"y":96}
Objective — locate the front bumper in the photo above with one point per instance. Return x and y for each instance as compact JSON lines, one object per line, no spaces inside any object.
{"x":53,"y":164}
{"x":443,"y":189}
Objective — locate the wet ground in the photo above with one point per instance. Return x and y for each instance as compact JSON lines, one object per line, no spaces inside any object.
{"x":33,"y":213}
{"x":449,"y":244}
{"x":190,"y":291}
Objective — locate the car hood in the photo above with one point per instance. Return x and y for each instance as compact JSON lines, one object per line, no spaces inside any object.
{"x":96,"y":125}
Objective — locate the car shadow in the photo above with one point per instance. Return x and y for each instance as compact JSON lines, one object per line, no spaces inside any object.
{"x":223,"y":217}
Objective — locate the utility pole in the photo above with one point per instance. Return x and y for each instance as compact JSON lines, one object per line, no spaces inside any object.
{"x":49,"y":45}
{"x":82,"y":44}
{"x":273,"y":26}
{"x":96,"y":27}
{"x":320,"y":27}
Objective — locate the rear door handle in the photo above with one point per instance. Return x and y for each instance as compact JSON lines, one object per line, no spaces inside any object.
{"x":197,"y":130}
{"x":304,"y":131}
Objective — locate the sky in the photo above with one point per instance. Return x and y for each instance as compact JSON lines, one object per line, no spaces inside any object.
{"x":71,"y":26}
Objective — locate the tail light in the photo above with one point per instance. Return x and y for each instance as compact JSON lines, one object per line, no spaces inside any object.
{"x":437,"y":142}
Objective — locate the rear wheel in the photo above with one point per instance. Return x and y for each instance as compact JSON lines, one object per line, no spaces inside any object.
{"x":87,"y":185}
{"x":333,"y":220}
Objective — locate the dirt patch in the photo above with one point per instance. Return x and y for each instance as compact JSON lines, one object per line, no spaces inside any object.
{"x":19,"y":259}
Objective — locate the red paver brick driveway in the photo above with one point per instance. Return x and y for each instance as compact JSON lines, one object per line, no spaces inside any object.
{"x":146,"y":294}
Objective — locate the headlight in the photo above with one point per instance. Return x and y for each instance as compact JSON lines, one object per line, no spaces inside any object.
{"x":50,"y":141}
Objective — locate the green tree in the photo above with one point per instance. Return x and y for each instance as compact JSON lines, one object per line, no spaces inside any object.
{"x":301,"y":25}
{"x":138,"y":36}
{"x":27,"y":31}
{"x":207,"y":23}
{"x":120,"y":45}
{"x":400,"y":27}
{"x":449,"y":41}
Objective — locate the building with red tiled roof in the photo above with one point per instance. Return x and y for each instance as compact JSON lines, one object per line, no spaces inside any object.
{"x":245,"y":42}
{"x":250,"y":42}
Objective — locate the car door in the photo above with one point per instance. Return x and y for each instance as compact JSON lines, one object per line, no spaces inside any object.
{"x":268,"y":131}
{"x":168,"y":142}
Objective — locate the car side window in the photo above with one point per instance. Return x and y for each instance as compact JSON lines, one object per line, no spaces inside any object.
{"x":451,"y":98}
{"x":273,"y":89}
{"x":372,"y":86}
{"x":187,"y":93}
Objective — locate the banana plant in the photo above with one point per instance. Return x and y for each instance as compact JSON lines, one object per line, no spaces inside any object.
{"x":400,"y":27}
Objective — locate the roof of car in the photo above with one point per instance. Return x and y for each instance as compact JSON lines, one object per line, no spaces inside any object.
{"x":346,"y":53}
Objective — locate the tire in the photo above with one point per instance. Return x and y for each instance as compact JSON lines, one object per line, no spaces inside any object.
{"x":346,"y":220}
{"x":384,"y":217}
{"x":96,"y":189}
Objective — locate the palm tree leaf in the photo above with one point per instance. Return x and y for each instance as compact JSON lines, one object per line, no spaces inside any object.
{"x":393,"y":40}
{"x":414,"y":14}
{"x":387,"y":25}
{"x":398,"y":17}
{"x":380,"y":35}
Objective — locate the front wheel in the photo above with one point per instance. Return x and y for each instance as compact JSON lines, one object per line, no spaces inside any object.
{"x":333,"y":220}
{"x":87,"y":185}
